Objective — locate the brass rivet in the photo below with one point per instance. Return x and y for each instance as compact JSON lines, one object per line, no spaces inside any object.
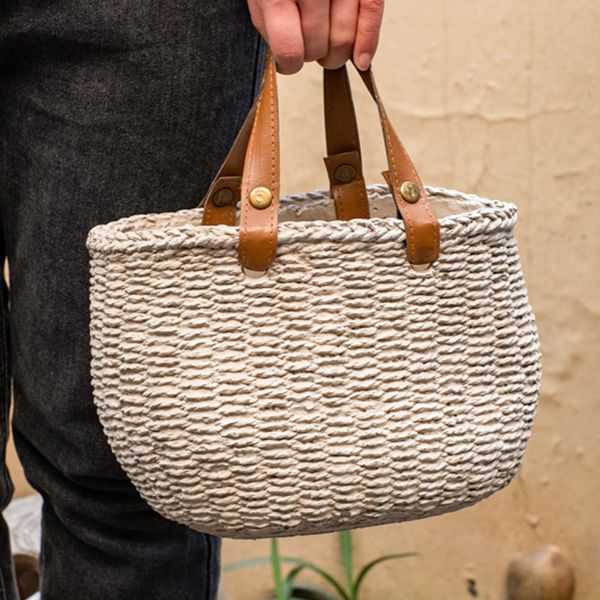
{"x":223,"y":197}
{"x":261,"y":197}
{"x":345,"y":173}
{"x":410,"y":192}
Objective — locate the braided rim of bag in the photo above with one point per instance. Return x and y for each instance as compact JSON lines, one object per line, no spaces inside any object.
{"x":184,"y":229}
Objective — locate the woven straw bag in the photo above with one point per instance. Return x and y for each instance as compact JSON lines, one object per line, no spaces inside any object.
{"x":344,"y":387}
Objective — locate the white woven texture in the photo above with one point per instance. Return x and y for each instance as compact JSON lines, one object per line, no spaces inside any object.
{"x":342,"y":389}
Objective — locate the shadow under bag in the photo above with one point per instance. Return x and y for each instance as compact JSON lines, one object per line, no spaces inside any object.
{"x":268,"y":367}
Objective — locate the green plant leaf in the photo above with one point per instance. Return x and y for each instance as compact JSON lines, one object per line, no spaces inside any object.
{"x":242,"y":564}
{"x":346,"y":551}
{"x":293,"y":573}
{"x":370,"y":565}
{"x":286,"y":559}
{"x":312,"y":567}
{"x":289,"y":582}
{"x":276,"y":566}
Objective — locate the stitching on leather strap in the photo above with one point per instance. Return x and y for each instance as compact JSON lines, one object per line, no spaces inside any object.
{"x":365,"y":201}
{"x":207,"y":210}
{"x":245,"y":208}
{"x":426,"y":205}
{"x":339,"y":197}
{"x":274,"y":208}
{"x":408,"y":221}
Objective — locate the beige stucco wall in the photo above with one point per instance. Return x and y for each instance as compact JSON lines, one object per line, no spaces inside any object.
{"x":501,"y":99}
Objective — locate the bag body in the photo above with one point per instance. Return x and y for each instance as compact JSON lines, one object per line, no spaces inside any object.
{"x":342,"y":388}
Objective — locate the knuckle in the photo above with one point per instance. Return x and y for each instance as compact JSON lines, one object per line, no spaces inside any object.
{"x":342,"y":45}
{"x":316,"y":53}
{"x":288,"y":55}
{"x":288,"y":50}
{"x":288,"y":61}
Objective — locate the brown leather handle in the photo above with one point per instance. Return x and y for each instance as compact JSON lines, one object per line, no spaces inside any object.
{"x":343,"y":163}
{"x":222,"y":197}
{"x":422,"y":227}
{"x":260,"y":182}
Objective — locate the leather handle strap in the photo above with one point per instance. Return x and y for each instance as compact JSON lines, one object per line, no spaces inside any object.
{"x":422,"y":227}
{"x":260,"y":181}
{"x":220,"y":202}
{"x":343,"y":163}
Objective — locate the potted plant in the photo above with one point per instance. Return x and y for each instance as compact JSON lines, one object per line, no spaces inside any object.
{"x":289,"y":589}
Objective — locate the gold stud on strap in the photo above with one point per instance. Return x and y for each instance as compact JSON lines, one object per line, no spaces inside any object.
{"x":223,"y":197}
{"x":410,"y":192}
{"x":345,"y":173}
{"x":261,"y":197}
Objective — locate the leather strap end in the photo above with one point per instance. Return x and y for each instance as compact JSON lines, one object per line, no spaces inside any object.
{"x":348,"y":185}
{"x":422,"y":226}
{"x":258,"y":246}
{"x":224,"y":188}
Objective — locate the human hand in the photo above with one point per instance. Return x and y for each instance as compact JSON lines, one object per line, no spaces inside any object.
{"x":328,"y":31}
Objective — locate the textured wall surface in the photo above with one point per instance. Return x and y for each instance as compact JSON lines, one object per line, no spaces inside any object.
{"x":501,"y":99}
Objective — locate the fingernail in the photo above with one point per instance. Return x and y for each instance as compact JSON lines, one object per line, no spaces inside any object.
{"x":364,"y":61}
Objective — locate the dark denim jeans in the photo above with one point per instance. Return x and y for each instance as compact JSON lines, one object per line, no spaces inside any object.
{"x":108,"y":108}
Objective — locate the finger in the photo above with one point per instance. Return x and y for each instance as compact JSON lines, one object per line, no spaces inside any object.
{"x":282,"y":29}
{"x":314,"y":15}
{"x":370,"y":15}
{"x":342,"y":32}
{"x":257,"y":17}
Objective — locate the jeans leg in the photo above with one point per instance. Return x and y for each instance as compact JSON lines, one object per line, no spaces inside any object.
{"x":107,"y":109}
